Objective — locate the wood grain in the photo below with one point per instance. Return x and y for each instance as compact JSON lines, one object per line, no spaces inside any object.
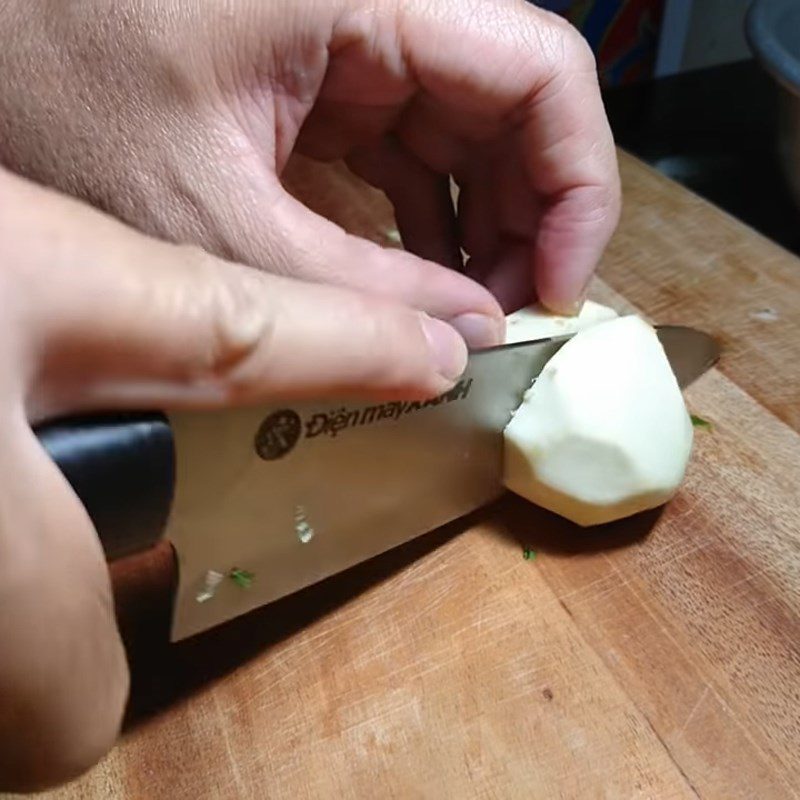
{"x":654,"y":658}
{"x":686,"y":262}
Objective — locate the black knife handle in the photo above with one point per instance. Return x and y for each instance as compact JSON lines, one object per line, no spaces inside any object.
{"x":122,"y":467}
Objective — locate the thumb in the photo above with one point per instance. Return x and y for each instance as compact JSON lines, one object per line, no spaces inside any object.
{"x":285,"y":237}
{"x":123,"y":321}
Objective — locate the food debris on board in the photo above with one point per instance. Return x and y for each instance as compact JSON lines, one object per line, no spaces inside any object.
{"x":241,"y":577}
{"x":765,"y":315}
{"x":529,"y":554}
{"x":212,"y":580}
{"x":699,"y":422}
{"x":304,"y":531}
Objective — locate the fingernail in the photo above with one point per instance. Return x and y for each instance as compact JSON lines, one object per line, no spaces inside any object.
{"x":573,"y":308}
{"x":578,"y":305}
{"x":479,"y":330}
{"x":446,"y":347}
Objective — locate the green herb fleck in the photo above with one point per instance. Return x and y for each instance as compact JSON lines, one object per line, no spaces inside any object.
{"x":241,"y":577}
{"x":529,"y":554}
{"x":393,"y":235}
{"x":699,"y":422}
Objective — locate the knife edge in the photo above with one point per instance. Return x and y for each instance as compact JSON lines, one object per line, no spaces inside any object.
{"x":122,"y":466}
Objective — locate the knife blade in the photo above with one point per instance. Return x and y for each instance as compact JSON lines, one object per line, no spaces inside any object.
{"x":260,"y":502}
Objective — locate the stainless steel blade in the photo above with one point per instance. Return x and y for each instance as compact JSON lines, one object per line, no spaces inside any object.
{"x":690,"y":352}
{"x":291,"y":495}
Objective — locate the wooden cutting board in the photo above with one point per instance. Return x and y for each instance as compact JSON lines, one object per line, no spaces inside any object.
{"x":656,"y":658}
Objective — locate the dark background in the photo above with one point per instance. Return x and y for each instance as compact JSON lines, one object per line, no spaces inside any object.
{"x":713,"y":128}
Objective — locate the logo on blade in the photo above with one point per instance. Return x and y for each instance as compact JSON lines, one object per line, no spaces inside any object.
{"x":278,"y":434}
{"x":282,"y":430}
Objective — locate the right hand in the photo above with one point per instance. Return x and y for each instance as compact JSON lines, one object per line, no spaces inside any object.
{"x":96,"y":316}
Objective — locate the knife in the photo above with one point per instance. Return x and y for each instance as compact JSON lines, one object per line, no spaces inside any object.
{"x":260,"y":502}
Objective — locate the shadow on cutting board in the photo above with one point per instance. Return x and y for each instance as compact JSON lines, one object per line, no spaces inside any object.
{"x":530,"y":526}
{"x":164,"y":673}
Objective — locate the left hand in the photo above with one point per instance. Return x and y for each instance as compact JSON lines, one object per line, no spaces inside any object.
{"x":179,"y":117}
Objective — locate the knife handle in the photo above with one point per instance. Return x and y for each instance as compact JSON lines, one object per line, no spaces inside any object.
{"x":122,"y":467}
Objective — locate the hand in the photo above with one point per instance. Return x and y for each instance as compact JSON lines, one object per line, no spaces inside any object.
{"x":97,"y":316}
{"x":179,"y":117}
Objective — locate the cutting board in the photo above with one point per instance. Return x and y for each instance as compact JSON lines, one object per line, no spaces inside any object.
{"x":655,"y":658}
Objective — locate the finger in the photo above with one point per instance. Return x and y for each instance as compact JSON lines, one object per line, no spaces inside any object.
{"x":314,"y":249}
{"x":333,"y":129}
{"x":499,"y":219}
{"x":519,"y":218}
{"x":570,"y":149}
{"x":125,"y":321}
{"x":477,"y":214}
{"x":573,"y":234}
{"x":421,"y":198}
{"x":277,"y":233}
{"x":538,"y":75}
{"x":507,"y":273}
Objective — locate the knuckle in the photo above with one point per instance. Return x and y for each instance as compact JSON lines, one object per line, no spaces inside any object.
{"x":579,"y":52}
{"x":602,"y":208}
{"x":570,"y":50}
{"x":238,"y":328}
{"x":614,"y":201}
